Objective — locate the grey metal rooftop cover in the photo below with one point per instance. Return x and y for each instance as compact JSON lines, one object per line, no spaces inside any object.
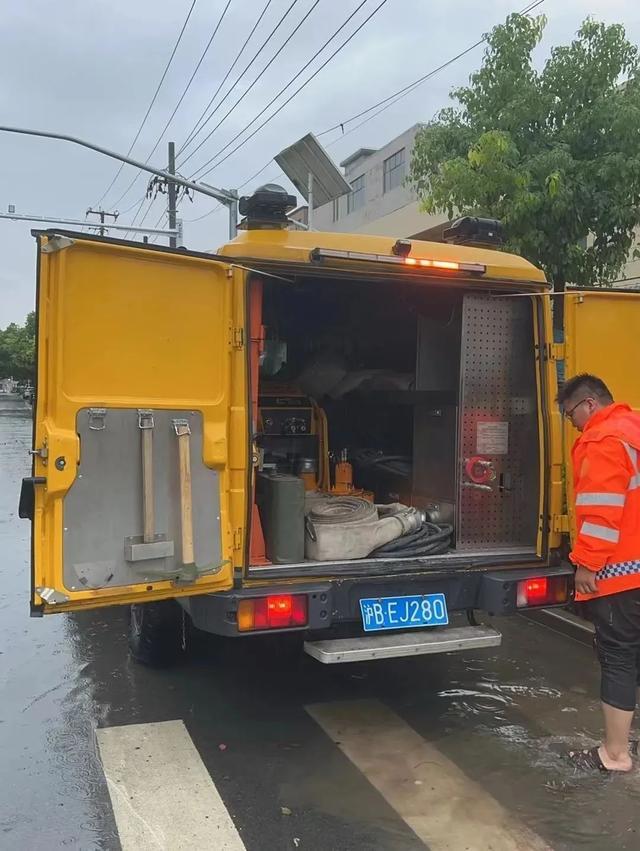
{"x":308,"y":156}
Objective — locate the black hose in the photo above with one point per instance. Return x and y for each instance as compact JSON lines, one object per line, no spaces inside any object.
{"x":395,"y":465}
{"x":430,"y":539}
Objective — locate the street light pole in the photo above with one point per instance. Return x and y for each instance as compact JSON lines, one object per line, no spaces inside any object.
{"x":310,"y":201}
{"x":228,"y":197}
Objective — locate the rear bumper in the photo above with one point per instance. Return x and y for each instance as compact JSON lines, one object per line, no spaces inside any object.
{"x":333,"y":605}
{"x":418,"y":642}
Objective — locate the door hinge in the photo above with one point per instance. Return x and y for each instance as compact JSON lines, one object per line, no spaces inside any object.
{"x":257,"y":456}
{"x":237,"y":538}
{"x":97,"y":418}
{"x":555,"y":351}
{"x":560,"y":523}
{"x":237,"y":338}
{"x":56,"y":243}
{"x":51,"y":596}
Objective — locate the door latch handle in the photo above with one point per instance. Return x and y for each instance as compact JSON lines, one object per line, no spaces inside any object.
{"x":476,"y":486}
{"x":26,"y":506}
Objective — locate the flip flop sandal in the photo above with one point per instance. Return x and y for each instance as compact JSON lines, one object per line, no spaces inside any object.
{"x":587,"y":760}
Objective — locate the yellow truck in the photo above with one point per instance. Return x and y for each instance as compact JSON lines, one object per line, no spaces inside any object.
{"x":348,"y":437}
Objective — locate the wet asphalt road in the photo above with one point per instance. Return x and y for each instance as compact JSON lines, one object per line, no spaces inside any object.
{"x":502,"y":717}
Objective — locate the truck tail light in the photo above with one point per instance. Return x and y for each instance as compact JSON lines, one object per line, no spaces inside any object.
{"x":542,"y":591}
{"x":278,"y":611}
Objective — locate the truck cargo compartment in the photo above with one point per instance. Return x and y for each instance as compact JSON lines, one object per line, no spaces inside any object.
{"x":394,"y":393}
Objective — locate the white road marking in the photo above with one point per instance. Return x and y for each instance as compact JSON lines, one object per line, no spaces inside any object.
{"x":445,"y":808}
{"x":161,"y":791}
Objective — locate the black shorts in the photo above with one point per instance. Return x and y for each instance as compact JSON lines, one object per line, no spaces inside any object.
{"x":616,"y":618}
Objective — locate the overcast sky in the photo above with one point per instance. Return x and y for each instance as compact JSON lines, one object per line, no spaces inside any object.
{"x":89,"y":68}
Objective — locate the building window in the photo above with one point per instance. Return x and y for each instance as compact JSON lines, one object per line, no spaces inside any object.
{"x":336,"y":209}
{"x":355,"y":199}
{"x":394,"y":171}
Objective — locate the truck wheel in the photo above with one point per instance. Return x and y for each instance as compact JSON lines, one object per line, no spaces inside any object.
{"x":158,"y":633}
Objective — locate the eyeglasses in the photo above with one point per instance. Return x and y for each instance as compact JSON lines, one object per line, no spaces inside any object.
{"x":569,"y":414}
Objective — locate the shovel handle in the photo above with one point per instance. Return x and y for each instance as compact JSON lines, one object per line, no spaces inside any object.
{"x":186,"y":504}
{"x":146,"y":426}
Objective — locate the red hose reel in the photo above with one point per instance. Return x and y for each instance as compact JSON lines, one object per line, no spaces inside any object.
{"x":479,"y":470}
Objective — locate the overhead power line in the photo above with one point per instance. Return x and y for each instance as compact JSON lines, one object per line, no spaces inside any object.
{"x":195,"y":129}
{"x":204,"y":215}
{"x":409,"y":88}
{"x":137,"y":212}
{"x":384,"y":104}
{"x":149,"y":208}
{"x":290,"y":98}
{"x":260,"y":75}
{"x":219,"y":206}
{"x":163,"y":215}
{"x":131,"y":206}
{"x":153,"y":100}
{"x":282,"y":90}
{"x":182,"y":97}
{"x":388,"y":101}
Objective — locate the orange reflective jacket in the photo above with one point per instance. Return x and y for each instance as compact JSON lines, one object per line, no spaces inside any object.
{"x":607,"y":499}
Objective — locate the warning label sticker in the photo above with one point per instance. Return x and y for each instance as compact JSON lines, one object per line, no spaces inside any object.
{"x":492,"y":438}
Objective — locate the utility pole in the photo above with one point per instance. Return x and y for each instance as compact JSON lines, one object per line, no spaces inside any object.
{"x":172,"y":193}
{"x":102,"y":214}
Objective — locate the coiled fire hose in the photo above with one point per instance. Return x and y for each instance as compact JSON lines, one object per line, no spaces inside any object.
{"x":343,"y":509}
{"x":348,"y":527}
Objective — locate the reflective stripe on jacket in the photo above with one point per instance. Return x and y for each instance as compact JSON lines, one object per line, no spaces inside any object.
{"x":606,"y":481}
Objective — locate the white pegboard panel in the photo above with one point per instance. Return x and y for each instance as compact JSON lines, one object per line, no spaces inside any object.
{"x":498,"y":393}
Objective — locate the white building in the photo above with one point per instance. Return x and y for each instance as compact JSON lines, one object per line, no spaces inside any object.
{"x":381,"y":202}
{"x":631,"y":273}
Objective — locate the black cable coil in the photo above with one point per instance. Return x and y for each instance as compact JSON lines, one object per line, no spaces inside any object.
{"x":429,"y":540}
{"x":395,"y":465}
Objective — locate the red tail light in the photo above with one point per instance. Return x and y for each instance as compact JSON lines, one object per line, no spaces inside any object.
{"x":542,"y":591}
{"x":277,"y":611}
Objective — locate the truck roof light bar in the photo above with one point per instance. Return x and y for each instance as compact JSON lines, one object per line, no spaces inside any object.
{"x":318,"y":255}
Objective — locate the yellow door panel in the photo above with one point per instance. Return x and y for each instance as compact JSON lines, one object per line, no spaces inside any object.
{"x":602,"y":331}
{"x":140,"y":431}
{"x":602,"y":336}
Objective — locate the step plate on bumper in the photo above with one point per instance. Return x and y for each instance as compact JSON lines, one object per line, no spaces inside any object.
{"x":402,"y":644}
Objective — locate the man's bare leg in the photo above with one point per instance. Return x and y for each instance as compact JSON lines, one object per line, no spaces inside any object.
{"x":614,"y":751}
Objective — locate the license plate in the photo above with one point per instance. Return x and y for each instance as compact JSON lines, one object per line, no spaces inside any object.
{"x":403,"y":612}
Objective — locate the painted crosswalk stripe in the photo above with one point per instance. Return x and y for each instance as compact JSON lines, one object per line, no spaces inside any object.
{"x":162,"y":794}
{"x":444,"y":807}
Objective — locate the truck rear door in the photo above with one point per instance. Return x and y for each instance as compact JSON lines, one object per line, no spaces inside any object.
{"x":140,"y":435}
{"x":601,"y":337}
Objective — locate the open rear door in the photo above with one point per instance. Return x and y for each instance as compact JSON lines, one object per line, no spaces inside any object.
{"x":602,"y":336}
{"x":140,"y":467}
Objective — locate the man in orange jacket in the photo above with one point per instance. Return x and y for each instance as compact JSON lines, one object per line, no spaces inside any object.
{"x":606,"y":553}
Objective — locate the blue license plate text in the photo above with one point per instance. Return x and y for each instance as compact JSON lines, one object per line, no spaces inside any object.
{"x":403,"y":612}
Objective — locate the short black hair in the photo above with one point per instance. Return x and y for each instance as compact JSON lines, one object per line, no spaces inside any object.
{"x":587,"y":384}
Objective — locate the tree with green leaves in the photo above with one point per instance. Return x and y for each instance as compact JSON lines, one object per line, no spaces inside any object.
{"x":17,"y":350}
{"x":553,"y":153}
